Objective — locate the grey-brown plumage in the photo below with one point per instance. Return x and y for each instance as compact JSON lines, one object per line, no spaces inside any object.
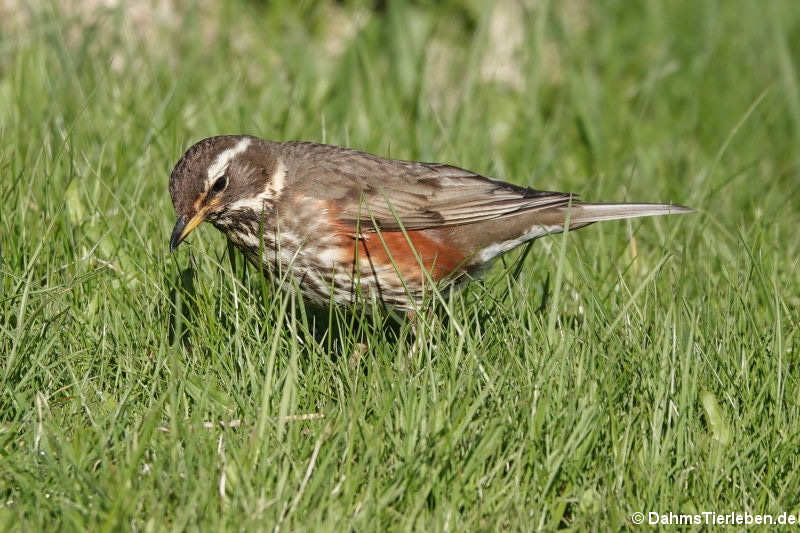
{"x":328,"y":219}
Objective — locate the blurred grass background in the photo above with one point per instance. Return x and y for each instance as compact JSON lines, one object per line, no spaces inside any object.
{"x":648,"y":366}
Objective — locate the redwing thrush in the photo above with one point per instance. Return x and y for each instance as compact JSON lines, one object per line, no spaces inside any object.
{"x":335,"y":219}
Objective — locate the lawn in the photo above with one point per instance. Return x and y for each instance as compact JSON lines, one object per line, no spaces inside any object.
{"x":632,"y":366}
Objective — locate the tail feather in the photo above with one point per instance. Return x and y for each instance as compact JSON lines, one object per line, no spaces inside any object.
{"x":583,"y":213}
{"x":552,"y":220}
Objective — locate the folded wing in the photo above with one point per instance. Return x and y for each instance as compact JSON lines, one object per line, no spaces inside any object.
{"x":374,"y":193}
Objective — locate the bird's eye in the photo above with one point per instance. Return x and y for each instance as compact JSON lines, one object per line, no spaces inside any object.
{"x":220,"y":184}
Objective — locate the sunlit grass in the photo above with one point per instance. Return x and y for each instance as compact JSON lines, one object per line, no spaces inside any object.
{"x":644,"y":366}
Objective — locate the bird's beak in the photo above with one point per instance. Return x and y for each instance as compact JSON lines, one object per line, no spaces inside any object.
{"x":183,"y":228}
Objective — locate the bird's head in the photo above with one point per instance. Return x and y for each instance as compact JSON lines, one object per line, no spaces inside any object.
{"x":218,"y":178}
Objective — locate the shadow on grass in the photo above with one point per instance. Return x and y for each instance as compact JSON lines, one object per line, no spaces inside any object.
{"x":183,"y":301}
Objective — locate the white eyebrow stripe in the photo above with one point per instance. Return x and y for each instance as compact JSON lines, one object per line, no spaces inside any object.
{"x":224,"y":158}
{"x":272,"y":190}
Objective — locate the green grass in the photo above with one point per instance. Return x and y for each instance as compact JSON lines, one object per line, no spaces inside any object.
{"x":643,"y":366}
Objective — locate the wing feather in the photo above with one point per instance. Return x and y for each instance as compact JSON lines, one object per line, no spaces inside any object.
{"x":372,"y":192}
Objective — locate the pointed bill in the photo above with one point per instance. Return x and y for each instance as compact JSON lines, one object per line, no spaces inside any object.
{"x":183,"y":228}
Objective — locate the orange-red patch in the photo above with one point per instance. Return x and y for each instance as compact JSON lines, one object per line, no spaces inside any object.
{"x":393,"y":249}
{"x":404,"y":252}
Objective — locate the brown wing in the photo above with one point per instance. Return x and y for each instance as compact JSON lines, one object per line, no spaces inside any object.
{"x":371,"y":191}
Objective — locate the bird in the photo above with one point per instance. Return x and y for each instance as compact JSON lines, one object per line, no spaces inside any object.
{"x":338,"y":224}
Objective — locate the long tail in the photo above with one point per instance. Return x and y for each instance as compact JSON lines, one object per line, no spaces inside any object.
{"x":581,"y":214}
{"x":499,"y":238}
